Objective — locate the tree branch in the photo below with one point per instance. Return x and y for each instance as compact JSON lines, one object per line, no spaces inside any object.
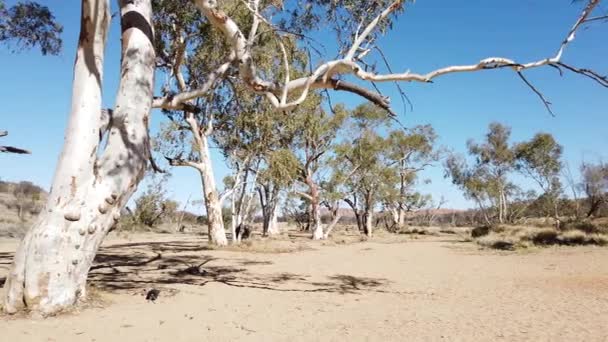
{"x":303,"y":194}
{"x":181,"y":162}
{"x":540,"y":95}
{"x":322,"y":77}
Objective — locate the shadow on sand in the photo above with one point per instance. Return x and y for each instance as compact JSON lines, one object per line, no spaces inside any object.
{"x":147,"y":264}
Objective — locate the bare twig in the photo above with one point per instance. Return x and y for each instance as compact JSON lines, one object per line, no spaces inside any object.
{"x":540,"y":95}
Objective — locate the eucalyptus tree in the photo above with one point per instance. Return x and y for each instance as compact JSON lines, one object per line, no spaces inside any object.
{"x":487,"y":181}
{"x":26,"y":25}
{"x":488,"y":178}
{"x":497,"y":158}
{"x":93,"y":183}
{"x":249,"y":133}
{"x":29,"y":24}
{"x":410,"y":152}
{"x":367,"y":153}
{"x":186,"y":46}
{"x":315,"y":132}
{"x":595,"y":184}
{"x":540,"y":159}
{"x":475,"y":182}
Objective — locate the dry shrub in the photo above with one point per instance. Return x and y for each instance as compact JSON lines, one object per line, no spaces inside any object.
{"x":573,"y":237}
{"x":544,"y":236}
{"x":497,"y":241}
{"x":577,"y":237}
{"x":480,"y":231}
{"x":586,"y":226}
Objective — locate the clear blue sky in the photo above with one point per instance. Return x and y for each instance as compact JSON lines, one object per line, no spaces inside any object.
{"x":35,"y":90}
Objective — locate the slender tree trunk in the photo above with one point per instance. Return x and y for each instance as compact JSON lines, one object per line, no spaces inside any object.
{"x":505,"y":205}
{"x":51,"y":265}
{"x":483,"y":211}
{"x":369,"y":222}
{"x":402,"y":191}
{"x":335,"y":219}
{"x":20,"y":212}
{"x":594,"y":206}
{"x":215,"y":222}
{"x":500,"y":208}
{"x":401,"y":217}
{"x":315,"y":209}
{"x":269,"y":200}
{"x":235,"y":220}
{"x":273,"y":226}
{"x":369,"y":212}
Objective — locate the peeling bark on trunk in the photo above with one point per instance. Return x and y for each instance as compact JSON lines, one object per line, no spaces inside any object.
{"x":315,"y":209}
{"x":51,"y":265}
{"x":215,"y":222}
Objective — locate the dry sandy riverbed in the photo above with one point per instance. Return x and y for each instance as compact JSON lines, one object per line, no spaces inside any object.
{"x":432,"y":289}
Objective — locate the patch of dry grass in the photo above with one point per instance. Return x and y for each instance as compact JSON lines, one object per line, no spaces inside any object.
{"x":433,"y":231}
{"x":512,"y":237}
{"x":268,"y":246}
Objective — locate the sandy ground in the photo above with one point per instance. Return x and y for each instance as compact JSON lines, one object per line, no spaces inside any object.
{"x":431,"y":289}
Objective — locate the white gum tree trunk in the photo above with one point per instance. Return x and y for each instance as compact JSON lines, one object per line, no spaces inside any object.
{"x":331,"y":226}
{"x":315,"y":208}
{"x":213,"y":205}
{"x":273,"y":225}
{"x":369,"y":223}
{"x":51,"y":265}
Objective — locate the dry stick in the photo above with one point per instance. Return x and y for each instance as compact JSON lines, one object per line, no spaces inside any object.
{"x":540,"y":95}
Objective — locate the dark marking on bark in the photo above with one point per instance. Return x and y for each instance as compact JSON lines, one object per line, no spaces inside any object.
{"x":395,"y":5}
{"x":135,"y":20}
{"x":72,"y":216}
{"x":85,"y":22}
{"x":257,"y":87}
{"x":86,"y":41}
{"x":73,"y":187}
{"x":220,"y":16}
{"x":96,"y":170}
{"x":102,"y":209}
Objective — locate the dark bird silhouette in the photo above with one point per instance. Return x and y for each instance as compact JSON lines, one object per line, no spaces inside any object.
{"x":10,"y":149}
{"x":152,"y":295}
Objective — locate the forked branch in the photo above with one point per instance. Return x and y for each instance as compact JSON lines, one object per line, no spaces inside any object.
{"x":325,"y":75}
